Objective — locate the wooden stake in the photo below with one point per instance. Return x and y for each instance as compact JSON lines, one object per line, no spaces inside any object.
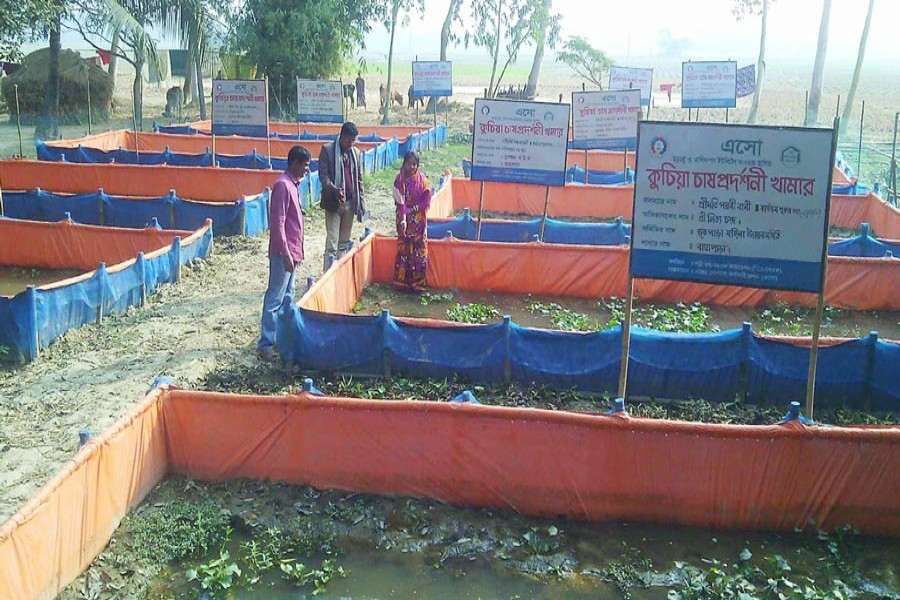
{"x":18,"y":119}
{"x":212,"y":121}
{"x":137,"y":146}
{"x":820,"y":301}
{"x":480,"y":210}
{"x":862,"y":118}
{"x":626,"y":339}
{"x":90,"y":123}
{"x":586,"y":166}
{"x":546,"y":209}
{"x":269,"y":137}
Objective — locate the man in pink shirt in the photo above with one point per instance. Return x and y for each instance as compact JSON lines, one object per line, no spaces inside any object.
{"x":285,"y":245}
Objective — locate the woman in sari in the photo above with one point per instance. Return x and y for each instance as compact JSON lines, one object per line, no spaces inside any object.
{"x":412,"y":196}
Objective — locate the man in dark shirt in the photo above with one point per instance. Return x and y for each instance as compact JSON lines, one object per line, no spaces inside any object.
{"x":285,"y":244}
{"x":360,"y":91}
{"x":340,"y":170}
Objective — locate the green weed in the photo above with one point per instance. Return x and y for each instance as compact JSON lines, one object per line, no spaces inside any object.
{"x":475,"y":313}
{"x":217,"y":575}
{"x":179,"y":529}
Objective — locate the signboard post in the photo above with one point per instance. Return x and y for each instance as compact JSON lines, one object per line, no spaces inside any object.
{"x":605,"y":120}
{"x":734,"y":205}
{"x":520,"y":142}
{"x":432,"y":78}
{"x":320,"y":101}
{"x":626,"y":78}
{"x":708,"y":84}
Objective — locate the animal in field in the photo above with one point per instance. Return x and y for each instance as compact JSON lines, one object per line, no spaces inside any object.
{"x":414,"y":100}
{"x":350,"y":92}
{"x":396,"y":97}
{"x":174,"y":102}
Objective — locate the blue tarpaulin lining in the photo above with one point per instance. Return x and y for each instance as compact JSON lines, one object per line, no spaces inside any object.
{"x":575,"y":175}
{"x":44,"y":315}
{"x":611,"y":234}
{"x":715,"y":366}
{"x":171,"y":212}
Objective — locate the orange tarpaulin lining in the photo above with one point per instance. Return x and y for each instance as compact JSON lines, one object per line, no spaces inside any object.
{"x":597,"y":201}
{"x":599,"y":272}
{"x":57,"y":534}
{"x":66,"y":245}
{"x":205,"y":184}
{"x":600,"y":160}
{"x":535,"y":462}
{"x":839,"y":177}
{"x":195,"y":144}
{"x":851,"y":211}
{"x":386,"y":131}
{"x":609,"y":202}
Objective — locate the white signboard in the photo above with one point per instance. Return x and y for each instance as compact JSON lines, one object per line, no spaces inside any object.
{"x":709,"y":84}
{"x":320,"y":101}
{"x":732,"y":204}
{"x":240,"y":107}
{"x":626,"y":78}
{"x":606,"y":120}
{"x":432,"y":78}
{"x":521,"y":142}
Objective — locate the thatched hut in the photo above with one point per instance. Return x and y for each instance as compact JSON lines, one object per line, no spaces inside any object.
{"x":74,"y":72}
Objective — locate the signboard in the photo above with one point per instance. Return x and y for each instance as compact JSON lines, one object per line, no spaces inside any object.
{"x":520,"y":142}
{"x":432,"y":78}
{"x":320,"y":101}
{"x":732,"y":204}
{"x":606,"y":120}
{"x":240,"y":108}
{"x":626,"y":78}
{"x":709,"y":84}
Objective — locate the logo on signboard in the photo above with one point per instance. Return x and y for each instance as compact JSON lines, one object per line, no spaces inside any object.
{"x":485,"y":110}
{"x":658,"y":146}
{"x":580,"y":99}
{"x":548,"y":116}
{"x":790,"y":157}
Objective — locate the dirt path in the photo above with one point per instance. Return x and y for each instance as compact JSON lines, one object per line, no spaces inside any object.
{"x":94,"y":374}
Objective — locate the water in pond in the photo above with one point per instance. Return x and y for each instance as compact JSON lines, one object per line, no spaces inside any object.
{"x":405,"y":548}
{"x":14,"y":280}
{"x":582,"y":314}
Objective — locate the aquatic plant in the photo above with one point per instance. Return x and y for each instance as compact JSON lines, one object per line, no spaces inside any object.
{"x":429,"y":298}
{"x":179,"y":529}
{"x":474,"y":313}
{"x":216,"y":575}
{"x":563,"y":318}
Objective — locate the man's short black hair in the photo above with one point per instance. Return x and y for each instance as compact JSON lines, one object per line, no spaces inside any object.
{"x":349,"y":129}
{"x":298,"y":153}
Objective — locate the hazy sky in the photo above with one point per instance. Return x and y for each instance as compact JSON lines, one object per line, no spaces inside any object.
{"x":709,"y":26}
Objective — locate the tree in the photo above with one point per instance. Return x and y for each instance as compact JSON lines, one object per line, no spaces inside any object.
{"x":195,"y":23}
{"x":396,"y":7}
{"x":130,"y":19}
{"x":300,"y":38}
{"x":23,"y":21}
{"x":447,"y":36}
{"x":525,"y":20}
{"x":857,"y":71}
{"x":744,"y":8}
{"x":47,"y":127}
{"x":818,"y":76}
{"x":535,"y":75}
{"x":585,"y":60}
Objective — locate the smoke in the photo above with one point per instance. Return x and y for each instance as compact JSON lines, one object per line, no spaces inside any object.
{"x":671,"y":47}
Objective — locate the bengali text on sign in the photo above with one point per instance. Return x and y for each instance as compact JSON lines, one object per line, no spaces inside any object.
{"x":732,"y":204}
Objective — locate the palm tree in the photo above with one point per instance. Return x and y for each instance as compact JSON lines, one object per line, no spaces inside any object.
{"x":854,"y":83}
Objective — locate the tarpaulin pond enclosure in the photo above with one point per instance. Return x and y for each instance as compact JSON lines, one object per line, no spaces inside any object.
{"x":120,"y":268}
{"x":776,"y":477}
